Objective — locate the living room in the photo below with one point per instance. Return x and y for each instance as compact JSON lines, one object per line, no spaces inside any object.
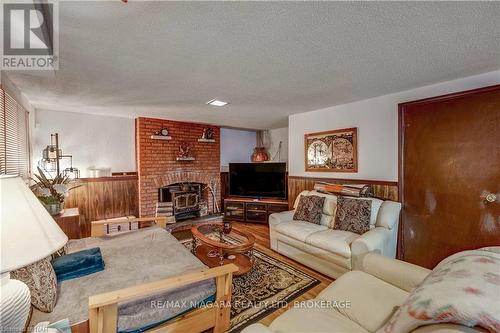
{"x":250,"y":167}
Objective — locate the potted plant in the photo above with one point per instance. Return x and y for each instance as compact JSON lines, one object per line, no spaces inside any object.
{"x":52,"y":192}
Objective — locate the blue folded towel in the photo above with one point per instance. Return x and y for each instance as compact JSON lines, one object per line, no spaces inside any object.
{"x":77,"y":264}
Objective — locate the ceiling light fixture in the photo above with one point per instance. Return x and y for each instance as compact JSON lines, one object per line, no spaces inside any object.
{"x":216,"y":102}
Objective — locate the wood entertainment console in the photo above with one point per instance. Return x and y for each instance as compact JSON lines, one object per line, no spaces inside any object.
{"x":252,"y":210}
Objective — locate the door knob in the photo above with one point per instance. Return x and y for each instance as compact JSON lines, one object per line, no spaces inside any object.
{"x":490,"y":198}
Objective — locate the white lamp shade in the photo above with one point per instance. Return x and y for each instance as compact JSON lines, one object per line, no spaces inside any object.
{"x":28,"y":232}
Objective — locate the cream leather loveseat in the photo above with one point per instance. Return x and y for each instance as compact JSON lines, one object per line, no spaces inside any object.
{"x":334,"y":252}
{"x":372,"y":294}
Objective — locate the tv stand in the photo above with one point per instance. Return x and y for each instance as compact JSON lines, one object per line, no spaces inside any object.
{"x":252,"y":209}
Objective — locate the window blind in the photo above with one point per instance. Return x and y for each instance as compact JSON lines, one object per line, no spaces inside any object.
{"x":14,"y":137}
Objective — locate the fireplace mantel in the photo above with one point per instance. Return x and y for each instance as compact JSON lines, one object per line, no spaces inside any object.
{"x":179,"y":177}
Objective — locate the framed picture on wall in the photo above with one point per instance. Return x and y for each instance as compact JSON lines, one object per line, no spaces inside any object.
{"x":332,"y":151}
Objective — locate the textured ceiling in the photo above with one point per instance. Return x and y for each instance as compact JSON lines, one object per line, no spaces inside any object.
{"x":268,"y":59}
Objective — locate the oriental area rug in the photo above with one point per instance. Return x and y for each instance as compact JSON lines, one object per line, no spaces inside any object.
{"x":267,"y":287}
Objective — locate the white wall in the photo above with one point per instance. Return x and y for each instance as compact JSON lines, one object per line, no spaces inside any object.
{"x":109,"y":142}
{"x":236,"y":146}
{"x":94,"y":141}
{"x":377,"y":123}
{"x":272,"y":140}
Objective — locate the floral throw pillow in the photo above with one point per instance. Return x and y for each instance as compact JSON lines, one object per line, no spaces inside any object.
{"x":353,"y":215}
{"x":42,"y":283}
{"x":309,"y":209}
{"x":462,"y":289}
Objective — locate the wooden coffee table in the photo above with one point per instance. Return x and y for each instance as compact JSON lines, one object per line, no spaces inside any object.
{"x":214,"y":248}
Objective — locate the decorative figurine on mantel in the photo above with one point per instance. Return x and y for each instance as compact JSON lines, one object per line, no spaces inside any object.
{"x":162,"y":132}
{"x":208,"y":134}
{"x":184,"y":152}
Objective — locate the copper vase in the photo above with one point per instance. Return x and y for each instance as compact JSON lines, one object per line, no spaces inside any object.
{"x":260,"y":155}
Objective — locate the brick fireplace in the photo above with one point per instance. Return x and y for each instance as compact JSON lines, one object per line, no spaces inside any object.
{"x":160,"y":172}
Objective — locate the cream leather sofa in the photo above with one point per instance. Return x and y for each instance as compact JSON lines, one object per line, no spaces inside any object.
{"x":373,"y":295}
{"x":334,"y":252}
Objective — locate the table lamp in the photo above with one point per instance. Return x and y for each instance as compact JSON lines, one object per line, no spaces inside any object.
{"x":28,"y":234}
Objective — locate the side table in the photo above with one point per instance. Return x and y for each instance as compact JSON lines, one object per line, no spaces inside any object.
{"x":70,"y":222}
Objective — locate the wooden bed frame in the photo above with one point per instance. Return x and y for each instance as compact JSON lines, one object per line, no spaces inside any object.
{"x":103,"y":308}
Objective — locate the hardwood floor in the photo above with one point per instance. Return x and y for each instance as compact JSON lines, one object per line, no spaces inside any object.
{"x":262,"y":243}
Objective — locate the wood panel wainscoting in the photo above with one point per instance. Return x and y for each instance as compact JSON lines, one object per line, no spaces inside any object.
{"x":385,"y":190}
{"x":104,"y":198}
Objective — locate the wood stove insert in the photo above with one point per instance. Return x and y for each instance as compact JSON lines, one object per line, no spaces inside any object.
{"x":185,"y":199}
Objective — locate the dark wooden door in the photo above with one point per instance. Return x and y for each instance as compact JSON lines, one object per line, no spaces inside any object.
{"x":449,"y":163}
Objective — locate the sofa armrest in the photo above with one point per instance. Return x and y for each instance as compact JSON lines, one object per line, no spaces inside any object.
{"x":401,"y":274}
{"x":277,"y":218}
{"x":257,"y":328}
{"x":371,"y":241}
{"x":388,"y":214}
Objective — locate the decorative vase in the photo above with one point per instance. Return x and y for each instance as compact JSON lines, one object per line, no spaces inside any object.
{"x":260,"y":155}
{"x":54,"y":209}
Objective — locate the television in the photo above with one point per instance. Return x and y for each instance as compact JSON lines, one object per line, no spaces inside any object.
{"x":258,"y":180}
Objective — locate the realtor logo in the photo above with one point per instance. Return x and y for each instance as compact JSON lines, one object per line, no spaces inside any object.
{"x":30,"y":36}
